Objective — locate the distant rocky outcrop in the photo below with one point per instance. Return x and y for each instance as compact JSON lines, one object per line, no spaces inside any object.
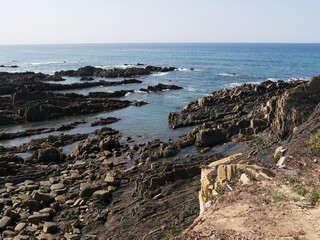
{"x":9,"y":66}
{"x":113,"y":73}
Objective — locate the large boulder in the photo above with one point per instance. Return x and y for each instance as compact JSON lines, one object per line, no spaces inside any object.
{"x":210,"y":137}
{"x":42,"y":112}
{"x":49,"y":155}
{"x":86,"y":146}
{"x":109,"y":143}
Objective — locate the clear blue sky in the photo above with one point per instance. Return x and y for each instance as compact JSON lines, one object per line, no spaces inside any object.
{"x":125,"y":21}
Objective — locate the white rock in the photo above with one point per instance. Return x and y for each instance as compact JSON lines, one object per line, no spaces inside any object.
{"x":280,"y":163}
{"x":244,"y":179}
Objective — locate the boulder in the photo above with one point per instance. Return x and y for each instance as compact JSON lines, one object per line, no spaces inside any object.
{"x":86,"y":189}
{"x":109,"y":143}
{"x":8,"y":234}
{"x":32,"y":205}
{"x":102,"y":195}
{"x":49,"y":155}
{"x":210,"y":137}
{"x":169,"y":152}
{"x":43,"y":198}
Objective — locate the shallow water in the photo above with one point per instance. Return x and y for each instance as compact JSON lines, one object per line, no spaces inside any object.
{"x":215,"y":66}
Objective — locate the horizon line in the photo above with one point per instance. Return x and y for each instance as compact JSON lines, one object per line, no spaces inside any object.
{"x":120,"y":43}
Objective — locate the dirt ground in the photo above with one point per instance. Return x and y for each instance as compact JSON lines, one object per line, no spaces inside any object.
{"x":284,"y":207}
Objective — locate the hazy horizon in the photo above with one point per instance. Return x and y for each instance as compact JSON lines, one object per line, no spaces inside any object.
{"x":36,"y":22}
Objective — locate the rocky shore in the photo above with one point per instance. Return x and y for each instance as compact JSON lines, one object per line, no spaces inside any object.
{"x":111,"y":186}
{"x":27,"y":97}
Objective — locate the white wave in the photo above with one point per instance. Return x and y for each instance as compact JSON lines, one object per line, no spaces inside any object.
{"x":229,"y":74}
{"x":298,"y":79}
{"x":127,"y":94}
{"x":124,"y":66}
{"x":273,"y":79}
{"x":253,"y":82}
{"x":138,"y":91}
{"x":160,"y":74}
{"x":190,"y":89}
{"x":102,"y":66}
{"x":288,"y":79}
{"x":46,"y":63}
{"x":184,"y":69}
{"x":235,"y":84}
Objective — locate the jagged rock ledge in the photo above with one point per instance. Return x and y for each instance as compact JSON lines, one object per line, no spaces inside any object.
{"x":274,"y":107}
{"x":26,"y":98}
{"x":115,"y":72}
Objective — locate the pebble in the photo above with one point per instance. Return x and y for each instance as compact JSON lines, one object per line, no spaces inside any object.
{"x":46,"y":210}
{"x":29,"y":182}
{"x":20,"y":226}
{"x":43,"y":197}
{"x":69,"y":202}
{"x":4,"y":222}
{"x":86,"y":189}
{"x":39,"y":217}
{"x":57,"y":186}
{"x":21,"y":237}
{"x":50,"y":227}
{"x":8,"y":234}
{"x":32,"y":205}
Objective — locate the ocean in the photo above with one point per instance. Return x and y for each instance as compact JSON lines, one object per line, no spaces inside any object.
{"x":215,"y":66}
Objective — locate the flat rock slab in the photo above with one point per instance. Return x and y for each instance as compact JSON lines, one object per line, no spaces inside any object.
{"x":43,"y":197}
{"x":57,"y":186}
{"x":101,"y":195}
{"x":38,"y":218}
{"x":4,"y":222}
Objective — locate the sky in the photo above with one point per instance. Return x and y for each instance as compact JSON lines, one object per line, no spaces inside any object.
{"x":148,"y":21}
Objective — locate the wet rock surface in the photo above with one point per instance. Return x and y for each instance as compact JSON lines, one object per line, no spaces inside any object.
{"x":270,"y":108}
{"x":87,"y":194}
{"x":26,"y":97}
{"x":113,"y":185}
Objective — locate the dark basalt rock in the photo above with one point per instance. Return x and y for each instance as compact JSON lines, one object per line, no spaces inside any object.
{"x":49,"y":155}
{"x":33,"y":100}
{"x":105,"y":121}
{"x":87,"y":79}
{"x":160,"y":87}
{"x":6,"y":119}
{"x":109,"y":143}
{"x":113,"y":73}
{"x":210,"y":137}
{"x":139,"y":103}
{"x":30,"y":82}
{"x":11,"y":66}
{"x":103,"y":132}
{"x":115,"y":94}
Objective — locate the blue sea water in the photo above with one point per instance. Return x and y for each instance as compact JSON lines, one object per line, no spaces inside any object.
{"x":216,"y":66}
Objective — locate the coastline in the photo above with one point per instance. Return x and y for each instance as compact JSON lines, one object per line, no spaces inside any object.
{"x":110,"y":175}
